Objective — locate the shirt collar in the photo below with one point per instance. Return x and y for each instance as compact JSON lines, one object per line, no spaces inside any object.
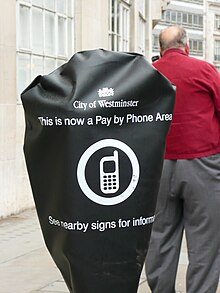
{"x":174,"y":50}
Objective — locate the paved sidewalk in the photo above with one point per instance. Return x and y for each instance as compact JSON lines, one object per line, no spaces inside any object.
{"x":26,"y":266}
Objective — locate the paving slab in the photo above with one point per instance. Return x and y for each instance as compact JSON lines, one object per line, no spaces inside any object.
{"x":27,"y":267}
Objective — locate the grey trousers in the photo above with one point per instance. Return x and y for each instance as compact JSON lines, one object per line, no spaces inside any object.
{"x":189,"y":198}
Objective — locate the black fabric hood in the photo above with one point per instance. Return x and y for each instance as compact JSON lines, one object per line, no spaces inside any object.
{"x":95,"y":137}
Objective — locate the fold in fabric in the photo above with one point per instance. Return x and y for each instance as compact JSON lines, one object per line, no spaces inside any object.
{"x":95,"y":136}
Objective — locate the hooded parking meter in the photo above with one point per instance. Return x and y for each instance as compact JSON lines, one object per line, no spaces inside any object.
{"x":95,"y":136}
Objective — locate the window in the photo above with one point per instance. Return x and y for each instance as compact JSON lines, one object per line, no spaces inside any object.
{"x":49,"y":4}
{"x":196,"y":47}
{"x":217,"y":50}
{"x":141,"y":35}
{"x":24,"y":31}
{"x":179,"y":18}
{"x":190,"y":19}
{"x":37,"y":34}
{"x":45,"y":37}
{"x":62,"y":36}
{"x":156,"y":45}
{"x":141,"y":27}
{"x":119,"y":25}
{"x":195,"y":19}
{"x":173,"y":16}
{"x":50,"y":46}
{"x":187,"y":19}
{"x":217,"y":22}
{"x":141,"y":7}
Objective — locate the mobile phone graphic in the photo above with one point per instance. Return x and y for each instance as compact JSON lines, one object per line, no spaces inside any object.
{"x":109,"y":173}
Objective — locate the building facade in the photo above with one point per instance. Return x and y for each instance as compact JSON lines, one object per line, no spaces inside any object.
{"x":189,"y":14}
{"x":37,"y":36}
{"x":212,"y":32}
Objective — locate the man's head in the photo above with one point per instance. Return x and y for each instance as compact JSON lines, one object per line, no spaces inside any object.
{"x":173,"y":37}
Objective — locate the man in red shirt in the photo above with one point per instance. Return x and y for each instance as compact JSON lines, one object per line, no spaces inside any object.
{"x":189,"y":195}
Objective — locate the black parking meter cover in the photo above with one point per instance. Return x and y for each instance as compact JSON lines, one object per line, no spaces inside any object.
{"x":95,"y":136}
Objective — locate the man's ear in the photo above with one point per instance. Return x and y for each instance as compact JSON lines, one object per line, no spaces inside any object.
{"x":187,"y":48}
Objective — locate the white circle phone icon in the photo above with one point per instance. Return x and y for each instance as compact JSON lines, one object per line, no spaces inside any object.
{"x":109,"y":183}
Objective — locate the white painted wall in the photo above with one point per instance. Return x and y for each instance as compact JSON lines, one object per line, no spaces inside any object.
{"x":91,"y":31}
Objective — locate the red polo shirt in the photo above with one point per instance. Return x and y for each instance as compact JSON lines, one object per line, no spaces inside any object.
{"x":195,"y":130}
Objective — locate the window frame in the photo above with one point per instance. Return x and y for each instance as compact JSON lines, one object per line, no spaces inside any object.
{"x":217,"y":22}
{"x":196,"y":46}
{"x":191,"y":20}
{"x":48,"y":57}
{"x":119,"y":25}
{"x":216,"y":49}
